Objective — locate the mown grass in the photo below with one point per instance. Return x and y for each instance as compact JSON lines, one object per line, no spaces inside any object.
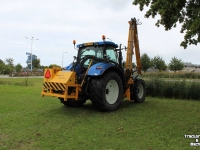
{"x":25,"y":81}
{"x":29,"y":121}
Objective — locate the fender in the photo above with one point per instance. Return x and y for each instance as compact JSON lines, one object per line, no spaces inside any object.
{"x":135,"y":76}
{"x":68,"y":67}
{"x":76,"y":69}
{"x":99,"y":68}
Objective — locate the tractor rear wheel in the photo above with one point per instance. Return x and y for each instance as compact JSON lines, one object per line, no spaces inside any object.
{"x":138,"y":91}
{"x":106,"y":92}
{"x":72,"y":102}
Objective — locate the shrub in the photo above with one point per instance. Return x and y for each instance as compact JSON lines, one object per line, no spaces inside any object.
{"x":193,"y":92}
{"x":190,"y":75}
{"x":179,"y":89}
{"x":154,"y":87}
{"x":168,"y":90}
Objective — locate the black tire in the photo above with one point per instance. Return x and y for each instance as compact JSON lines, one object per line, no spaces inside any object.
{"x":138,"y":91}
{"x":106,"y":91}
{"x":72,"y":102}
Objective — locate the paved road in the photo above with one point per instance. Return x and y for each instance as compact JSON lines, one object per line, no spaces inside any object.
{"x":6,"y":76}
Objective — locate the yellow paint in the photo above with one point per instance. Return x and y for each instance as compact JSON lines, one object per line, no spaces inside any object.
{"x":67,"y":77}
{"x":88,"y":44}
{"x":133,"y":43}
{"x":60,"y":81}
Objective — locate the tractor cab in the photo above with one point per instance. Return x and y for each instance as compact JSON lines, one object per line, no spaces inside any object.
{"x":101,"y":50}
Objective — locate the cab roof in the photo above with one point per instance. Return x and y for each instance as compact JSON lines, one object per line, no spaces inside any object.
{"x":101,"y":43}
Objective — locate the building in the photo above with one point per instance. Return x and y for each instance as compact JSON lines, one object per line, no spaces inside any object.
{"x":189,"y":67}
{"x":189,"y":64}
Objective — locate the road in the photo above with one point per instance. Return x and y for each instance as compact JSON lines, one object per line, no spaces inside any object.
{"x":6,"y":76}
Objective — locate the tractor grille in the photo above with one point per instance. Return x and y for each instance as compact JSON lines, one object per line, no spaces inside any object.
{"x":54,"y":86}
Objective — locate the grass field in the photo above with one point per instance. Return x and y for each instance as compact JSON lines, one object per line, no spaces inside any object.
{"x":29,"y":121}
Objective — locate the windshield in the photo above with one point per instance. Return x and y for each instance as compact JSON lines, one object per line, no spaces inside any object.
{"x":93,"y":51}
{"x":98,"y":52}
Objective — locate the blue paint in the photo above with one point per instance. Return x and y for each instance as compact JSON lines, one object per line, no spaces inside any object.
{"x":93,"y":71}
{"x":76,"y":69}
{"x":98,"y":43}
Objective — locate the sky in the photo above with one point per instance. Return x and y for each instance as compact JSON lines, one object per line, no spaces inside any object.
{"x":56,"y":23}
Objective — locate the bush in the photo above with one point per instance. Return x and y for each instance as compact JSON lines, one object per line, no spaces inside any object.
{"x":193,"y":92}
{"x":169,"y":90}
{"x":190,"y":75}
{"x":154,"y":87}
{"x":179,"y":89}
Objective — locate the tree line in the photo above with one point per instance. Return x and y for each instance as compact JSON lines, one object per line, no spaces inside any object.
{"x":159,"y":64}
{"x":7,"y":66}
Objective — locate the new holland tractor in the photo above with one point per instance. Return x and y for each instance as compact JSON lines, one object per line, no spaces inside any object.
{"x":97,"y":74}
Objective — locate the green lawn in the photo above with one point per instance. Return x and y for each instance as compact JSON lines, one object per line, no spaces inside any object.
{"x":29,"y":121}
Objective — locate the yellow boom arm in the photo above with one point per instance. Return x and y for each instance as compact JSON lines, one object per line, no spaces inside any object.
{"x":133,"y":42}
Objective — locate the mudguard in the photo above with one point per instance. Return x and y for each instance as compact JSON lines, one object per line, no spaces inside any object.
{"x":76,"y":69}
{"x":99,"y":68}
{"x":135,"y":76}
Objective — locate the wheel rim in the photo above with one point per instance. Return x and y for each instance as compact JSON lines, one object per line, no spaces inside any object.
{"x":140,"y":91}
{"x":112,"y":91}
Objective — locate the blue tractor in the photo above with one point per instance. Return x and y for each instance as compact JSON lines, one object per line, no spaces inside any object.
{"x":98,"y":74}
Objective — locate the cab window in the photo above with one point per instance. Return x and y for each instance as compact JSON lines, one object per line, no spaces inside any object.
{"x":91,"y":50}
{"x":111,"y":55}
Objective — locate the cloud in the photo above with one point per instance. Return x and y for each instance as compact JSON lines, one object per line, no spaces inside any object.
{"x":117,"y":5}
{"x":57,"y":22}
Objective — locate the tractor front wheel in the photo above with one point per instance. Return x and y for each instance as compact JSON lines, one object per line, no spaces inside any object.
{"x":138,"y":91}
{"x":106,"y":91}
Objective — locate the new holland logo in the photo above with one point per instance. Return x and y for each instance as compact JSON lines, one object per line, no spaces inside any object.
{"x":196,"y":137}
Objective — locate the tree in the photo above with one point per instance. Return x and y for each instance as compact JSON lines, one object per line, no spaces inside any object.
{"x":158,"y":63}
{"x":9,"y":62}
{"x":133,"y":65}
{"x":185,"y":12}
{"x":54,"y":65}
{"x":124,"y":64}
{"x":2,"y":66}
{"x":43,"y":67}
{"x":7,"y":69}
{"x":146,"y":62}
{"x":1,"y":62}
{"x":18,"y":67}
{"x":176,"y":64}
{"x":36,"y":63}
{"x":35,"y":70}
{"x":9,"y":65}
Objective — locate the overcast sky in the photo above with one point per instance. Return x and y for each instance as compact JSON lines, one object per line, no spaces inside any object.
{"x":56,"y":23}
